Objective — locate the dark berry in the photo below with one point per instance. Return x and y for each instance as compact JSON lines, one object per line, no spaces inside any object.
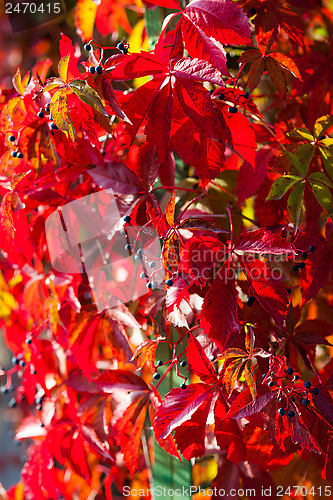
{"x":20,"y":155}
{"x":54,"y":126}
{"x":139,"y":252}
{"x":159,"y":362}
{"x":305,"y":402}
{"x":137,"y":257}
{"x":289,"y":290}
{"x":232,"y":109}
{"x":13,"y":154}
{"x":291,"y":414}
{"x":280,"y":399}
{"x":270,"y":384}
{"x":250,"y":301}
{"x":290,"y":371}
{"x":11,"y":138}
{"x":156,"y":376}
{"x":125,"y":50}
{"x":221,"y":97}
{"x":211,"y":91}
{"x":122,"y":232}
{"x":143,"y":275}
{"x":38,"y":407}
{"x":312,"y":248}
{"x":307,"y":384}
{"x":183,"y":386}
{"x":281,"y":412}
{"x":246,"y":95}
{"x":34,"y":372}
{"x":120,"y":46}
{"x":322,"y":137}
{"x":169,"y":282}
{"x":22,"y":363}
{"x":252,"y":11}
{"x":295,"y":268}
{"x":87,"y":47}
{"x":149,"y":285}
{"x":99,"y":70}
{"x":4,"y":389}
{"x":42,"y":425}
{"x":302,"y":265}
{"x":40,"y":114}
{"x":127,"y":246}
{"x":315,"y":391}
{"x":304,"y":255}
{"x":12,"y":403}
{"x":47,"y":110}
{"x":152,"y":265}
{"x":296,"y":377}
{"x":92,"y":70}
{"x":154,"y":284}
{"x":127,"y":218}
{"x":263,"y":375}
{"x":183,"y":364}
{"x":15,"y":361}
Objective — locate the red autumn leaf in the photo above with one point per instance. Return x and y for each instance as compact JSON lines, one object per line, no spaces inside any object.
{"x":174,"y":90}
{"x":207,"y":25}
{"x":262,"y":241}
{"x":228,"y":434}
{"x":115,"y":380}
{"x":222,"y":327}
{"x":190,"y":436}
{"x":200,"y":254}
{"x":198,"y":361}
{"x":244,"y":406}
{"x":178,"y":407}
{"x":267,"y":287}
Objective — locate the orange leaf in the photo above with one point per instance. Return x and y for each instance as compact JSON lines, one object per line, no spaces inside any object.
{"x":286,"y":63}
{"x":170,"y":210}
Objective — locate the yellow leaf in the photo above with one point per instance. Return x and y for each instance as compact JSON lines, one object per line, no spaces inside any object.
{"x":59,"y":113}
{"x":85,"y":14}
{"x":138,"y":40}
{"x":63,"y":67}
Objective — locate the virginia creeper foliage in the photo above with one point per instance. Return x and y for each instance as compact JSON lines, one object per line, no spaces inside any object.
{"x":216,"y":134}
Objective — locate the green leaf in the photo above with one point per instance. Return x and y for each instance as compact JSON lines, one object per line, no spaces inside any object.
{"x":327,"y":157}
{"x":301,"y":133}
{"x":88,"y":95}
{"x":295,"y":203}
{"x":304,"y":154}
{"x":321,"y":178}
{"x":281,"y":186}
{"x":301,"y":158}
{"x":59,"y":113}
{"x":323,"y":195}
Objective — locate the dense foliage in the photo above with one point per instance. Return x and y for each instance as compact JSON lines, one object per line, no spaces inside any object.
{"x":210,"y":122}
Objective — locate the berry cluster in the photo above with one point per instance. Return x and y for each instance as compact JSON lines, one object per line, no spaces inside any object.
{"x":182,"y":364}
{"x":288,"y":390}
{"x":304,"y":256}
